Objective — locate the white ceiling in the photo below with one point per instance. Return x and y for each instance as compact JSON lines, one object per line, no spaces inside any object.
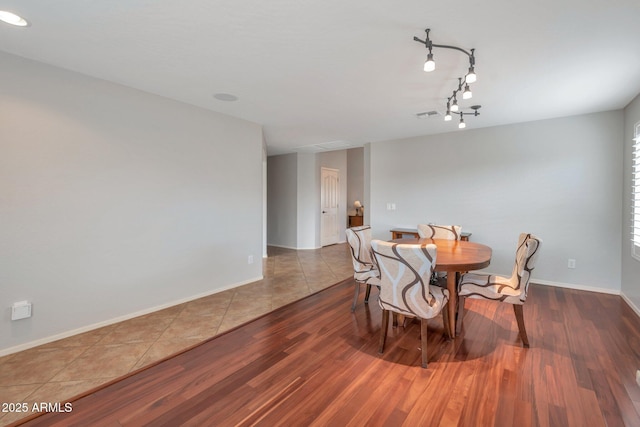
{"x":339,"y":72}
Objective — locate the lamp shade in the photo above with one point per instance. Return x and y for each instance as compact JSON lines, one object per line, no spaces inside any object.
{"x":357,"y":204}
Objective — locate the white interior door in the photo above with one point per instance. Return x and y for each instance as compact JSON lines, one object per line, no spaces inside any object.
{"x":330,"y":194}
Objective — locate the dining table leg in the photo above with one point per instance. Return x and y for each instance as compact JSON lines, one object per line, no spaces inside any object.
{"x":452,"y":287}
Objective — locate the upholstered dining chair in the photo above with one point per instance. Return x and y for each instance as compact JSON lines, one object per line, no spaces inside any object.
{"x":445,"y":232}
{"x":512,"y":290}
{"x":365,"y":271}
{"x":405,"y":270}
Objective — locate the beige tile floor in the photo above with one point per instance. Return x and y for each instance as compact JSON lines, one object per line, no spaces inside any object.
{"x":62,"y":369}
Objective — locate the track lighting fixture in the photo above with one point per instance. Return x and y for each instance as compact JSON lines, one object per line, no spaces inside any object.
{"x":470,"y":77}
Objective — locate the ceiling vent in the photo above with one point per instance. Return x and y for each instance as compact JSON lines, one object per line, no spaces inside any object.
{"x":426,"y":114}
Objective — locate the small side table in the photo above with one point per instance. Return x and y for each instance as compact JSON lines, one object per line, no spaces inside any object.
{"x":355,"y":221}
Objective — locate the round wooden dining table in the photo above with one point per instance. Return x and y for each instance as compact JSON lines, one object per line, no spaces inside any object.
{"x":453,"y":257}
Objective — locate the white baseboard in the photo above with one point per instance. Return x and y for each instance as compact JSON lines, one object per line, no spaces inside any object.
{"x":630,"y":303}
{"x":577,"y":287}
{"x":301,"y":249}
{"x":67,"y":334}
{"x":626,"y":299}
{"x":288,"y":247}
{"x":565,"y":285}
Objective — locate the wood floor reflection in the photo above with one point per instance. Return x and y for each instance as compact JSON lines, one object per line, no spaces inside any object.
{"x":315,"y":363}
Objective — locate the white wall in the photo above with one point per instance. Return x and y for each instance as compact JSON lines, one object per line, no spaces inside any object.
{"x":630,"y":265}
{"x":559,"y":179}
{"x":292,"y":202}
{"x":282,"y":193}
{"x":355,"y":178}
{"x":367,"y":183}
{"x":114,"y":201}
{"x":308,"y":199}
{"x":264,"y":197}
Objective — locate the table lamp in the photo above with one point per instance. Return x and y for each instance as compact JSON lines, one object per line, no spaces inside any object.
{"x":358,"y":206}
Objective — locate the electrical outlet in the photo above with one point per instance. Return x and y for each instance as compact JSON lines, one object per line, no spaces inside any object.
{"x":571,"y":263}
{"x":20,"y":310}
{"x":250,"y":259}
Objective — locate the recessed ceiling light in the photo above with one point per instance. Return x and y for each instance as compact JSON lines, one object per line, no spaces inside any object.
{"x":225,"y":97}
{"x":13,"y":19}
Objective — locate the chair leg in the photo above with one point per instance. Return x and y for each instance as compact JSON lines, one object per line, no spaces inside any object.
{"x":423,"y":341}
{"x":394,"y":316}
{"x":517,"y":309}
{"x":355,"y":297}
{"x":459,"y":314}
{"x":383,"y":330}
{"x":445,"y":319}
{"x":366,"y":295}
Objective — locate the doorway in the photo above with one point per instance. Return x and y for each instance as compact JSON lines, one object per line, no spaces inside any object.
{"x":329,"y":197}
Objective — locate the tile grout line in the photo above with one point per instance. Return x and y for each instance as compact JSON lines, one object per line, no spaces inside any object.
{"x":134,"y":367}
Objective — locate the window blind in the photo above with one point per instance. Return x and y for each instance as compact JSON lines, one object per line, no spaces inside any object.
{"x":635,"y":190}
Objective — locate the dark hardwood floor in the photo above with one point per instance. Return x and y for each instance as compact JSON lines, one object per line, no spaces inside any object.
{"x":316,"y":363}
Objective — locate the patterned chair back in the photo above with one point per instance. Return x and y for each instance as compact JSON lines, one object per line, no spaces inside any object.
{"x":445,"y":232}
{"x":526,"y":257}
{"x":405,"y":271}
{"x":359,"y":239}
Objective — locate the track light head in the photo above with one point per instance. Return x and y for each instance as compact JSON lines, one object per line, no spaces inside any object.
{"x":429,"y":64}
{"x":447,"y":116}
{"x":454,"y":105}
{"x":471,"y":76}
{"x":462,"y":124}
{"x":467,"y":94}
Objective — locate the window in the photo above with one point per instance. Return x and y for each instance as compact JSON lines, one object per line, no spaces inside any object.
{"x":635,"y":198}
